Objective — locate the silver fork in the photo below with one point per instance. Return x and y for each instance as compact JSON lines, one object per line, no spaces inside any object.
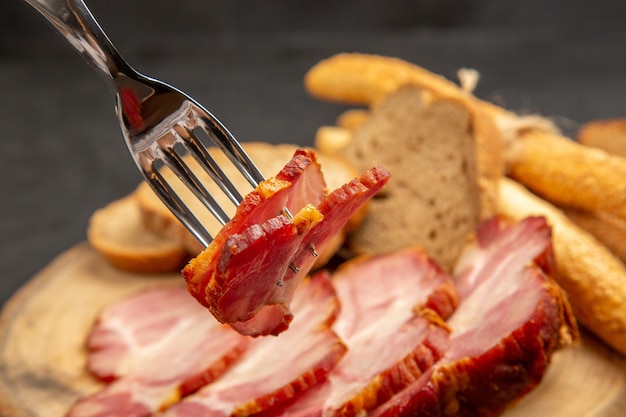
{"x":159,"y":122}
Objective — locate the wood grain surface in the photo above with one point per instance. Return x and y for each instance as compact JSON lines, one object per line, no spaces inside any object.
{"x":43,"y":329}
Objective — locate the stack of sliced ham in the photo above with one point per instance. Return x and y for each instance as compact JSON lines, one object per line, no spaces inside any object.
{"x":390,"y":321}
{"x":154,"y":348}
{"x":387,"y":335}
{"x":274,"y":237}
{"x":511,"y":319}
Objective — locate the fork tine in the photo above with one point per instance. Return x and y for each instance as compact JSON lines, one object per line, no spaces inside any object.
{"x":200,"y":153}
{"x":225,"y":140}
{"x":186,"y":175}
{"x":173,"y":202}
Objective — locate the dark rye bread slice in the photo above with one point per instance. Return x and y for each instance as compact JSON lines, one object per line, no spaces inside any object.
{"x":444,"y":156}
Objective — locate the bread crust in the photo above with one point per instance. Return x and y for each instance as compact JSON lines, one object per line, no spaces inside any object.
{"x":593,"y":278}
{"x":365,"y":79}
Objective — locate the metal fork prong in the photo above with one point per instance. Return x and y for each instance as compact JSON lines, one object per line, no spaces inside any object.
{"x":186,"y":175}
{"x":201,"y":154}
{"x":174,"y":203}
{"x":225,"y":140}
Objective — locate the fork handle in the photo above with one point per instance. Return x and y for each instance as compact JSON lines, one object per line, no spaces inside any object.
{"x":74,"y":21}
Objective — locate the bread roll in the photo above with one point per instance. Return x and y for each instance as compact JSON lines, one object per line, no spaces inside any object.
{"x":608,"y":229}
{"x":568,"y":174}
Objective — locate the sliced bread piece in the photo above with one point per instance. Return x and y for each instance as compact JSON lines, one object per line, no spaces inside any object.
{"x":117,"y":232}
{"x":270,"y":159}
{"x":444,"y":156}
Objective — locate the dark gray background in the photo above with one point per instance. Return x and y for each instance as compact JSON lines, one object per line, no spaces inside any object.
{"x":62,"y":155}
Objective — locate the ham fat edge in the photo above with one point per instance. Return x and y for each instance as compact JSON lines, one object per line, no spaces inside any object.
{"x":248,"y":274}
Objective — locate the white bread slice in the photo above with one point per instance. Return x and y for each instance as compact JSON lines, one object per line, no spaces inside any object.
{"x":445,"y":158}
{"x":270,"y":159}
{"x":118,"y":233}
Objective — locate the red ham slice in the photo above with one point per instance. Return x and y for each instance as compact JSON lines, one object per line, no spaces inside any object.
{"x":389,"y":321}
{"x":160,"y":345}
{"x":125,"y":330}
{"x":511,"y":319}
{"x":299,"y":183}
{"x":248,"y":275}
{"x":276,"y":369}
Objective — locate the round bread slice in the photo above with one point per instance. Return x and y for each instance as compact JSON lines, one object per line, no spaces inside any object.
{"x":270,"y":159}
{"x":117,"y":232}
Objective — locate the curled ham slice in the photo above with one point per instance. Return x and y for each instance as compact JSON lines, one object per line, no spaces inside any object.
{"x":389,"y":320}
{"x":276,"y":369}
{"x":511,"y":319}
{"x":159,"y":345}
{"x":248,"y":275}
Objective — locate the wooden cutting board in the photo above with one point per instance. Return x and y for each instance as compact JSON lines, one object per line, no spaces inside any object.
{"x":43,"y":329}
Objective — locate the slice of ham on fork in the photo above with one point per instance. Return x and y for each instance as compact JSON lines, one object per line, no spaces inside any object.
{"x":248,"y":275}
{"x":511,"y":320}
{"x":276,"y":369}
{"x":156,"y":346}
{"x":390,"y":320}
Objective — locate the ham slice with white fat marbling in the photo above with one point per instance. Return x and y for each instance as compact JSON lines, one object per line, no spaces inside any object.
{"x":276,"y":369}
{"x":248,"y":275}
{"x":391,"y":322}
{"x":511,"y":319}
{"x":157,"y":346}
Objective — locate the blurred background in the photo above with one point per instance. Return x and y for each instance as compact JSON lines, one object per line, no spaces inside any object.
{"x":62,"y":155}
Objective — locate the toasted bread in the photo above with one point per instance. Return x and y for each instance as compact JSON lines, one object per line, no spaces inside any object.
{"x":118,"y":233}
